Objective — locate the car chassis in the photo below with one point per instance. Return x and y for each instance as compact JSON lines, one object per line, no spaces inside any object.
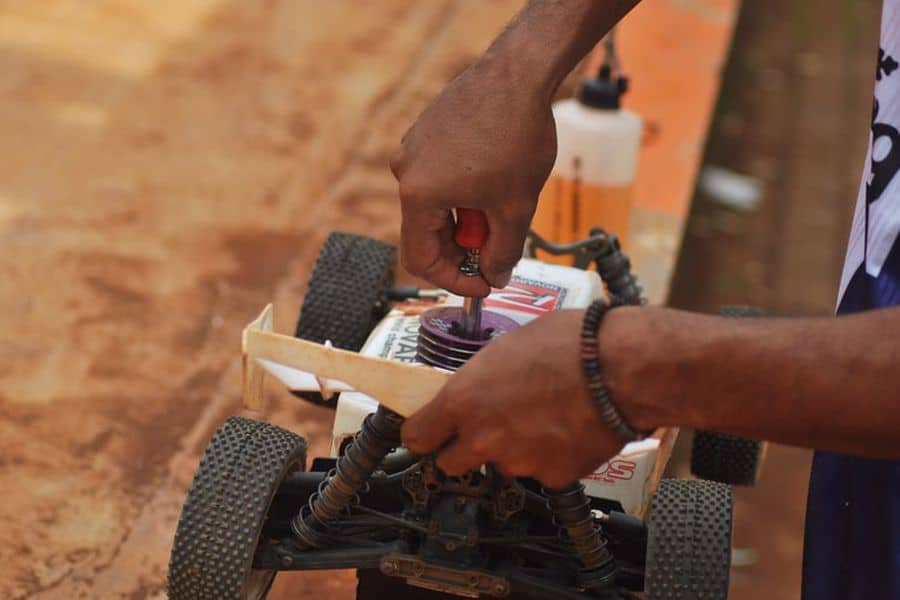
{"x":412,"y":531}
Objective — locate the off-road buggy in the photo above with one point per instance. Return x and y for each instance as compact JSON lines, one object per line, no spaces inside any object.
{"x":257,"y":506}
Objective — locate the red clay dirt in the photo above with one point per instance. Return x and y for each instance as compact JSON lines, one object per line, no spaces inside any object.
{"x":168,"y":169}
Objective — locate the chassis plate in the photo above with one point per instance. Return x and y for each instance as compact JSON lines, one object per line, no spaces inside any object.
{"x":467,"y":583}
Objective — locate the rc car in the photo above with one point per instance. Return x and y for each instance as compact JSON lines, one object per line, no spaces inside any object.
{"x":375,"y":352}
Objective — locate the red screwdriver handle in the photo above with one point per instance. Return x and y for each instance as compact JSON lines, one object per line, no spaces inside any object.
{"x":471,"y":228}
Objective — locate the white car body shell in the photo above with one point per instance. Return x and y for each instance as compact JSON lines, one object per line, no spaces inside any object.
{"x":536,"y":287}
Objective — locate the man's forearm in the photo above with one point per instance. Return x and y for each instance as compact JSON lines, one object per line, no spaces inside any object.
{"x":548,"y":37}
{"x":832,"y":384}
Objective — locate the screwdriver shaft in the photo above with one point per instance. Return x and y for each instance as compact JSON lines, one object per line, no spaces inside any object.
{"x":471,"y":321}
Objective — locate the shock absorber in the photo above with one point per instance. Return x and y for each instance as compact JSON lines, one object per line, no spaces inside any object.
{"x":572,"y":512}
{"x":455,"y":335}
{"x":615,"y":269}
{"x":380,"y":433}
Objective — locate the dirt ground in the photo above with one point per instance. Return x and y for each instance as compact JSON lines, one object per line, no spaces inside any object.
{"x":153,"y":197}
{"x":141,"y":182}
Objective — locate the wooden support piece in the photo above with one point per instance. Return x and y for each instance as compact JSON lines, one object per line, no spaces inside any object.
{"x":401,"y":387}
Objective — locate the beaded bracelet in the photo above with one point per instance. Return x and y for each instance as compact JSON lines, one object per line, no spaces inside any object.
{"x":590,"y":361}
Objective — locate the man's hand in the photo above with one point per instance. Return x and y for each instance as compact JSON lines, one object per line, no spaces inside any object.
{"x":521,"y":404}
{"x":486,"y":142}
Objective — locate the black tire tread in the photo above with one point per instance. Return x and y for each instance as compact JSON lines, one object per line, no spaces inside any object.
{"x":728,"y":458}
{"x":689,"y":541}
{"x":226,"y":506}
{"x":725,"y":458}
{"x":743,"y":312}
{"x":342,"y":297}
{"x":348,"y":280}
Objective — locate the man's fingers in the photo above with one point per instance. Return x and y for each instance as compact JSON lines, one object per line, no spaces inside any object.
{"x":424,"y":233}
{"x":430,"y":427}
{"x":503,"y":249}
{"x":430,"y":252}
{"x":460,"y":457}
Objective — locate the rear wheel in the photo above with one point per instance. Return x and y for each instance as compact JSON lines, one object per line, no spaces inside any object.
{"x":728,"y":458}
{"x":689,"y":541}
{"x":225,"y":510}
{"x":346,"y":295}
{"x":743,"y":312}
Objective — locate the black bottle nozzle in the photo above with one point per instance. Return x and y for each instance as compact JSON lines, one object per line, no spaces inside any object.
{"x":604,"y":91}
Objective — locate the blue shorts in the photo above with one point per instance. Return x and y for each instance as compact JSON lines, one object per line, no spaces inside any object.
{"x":852,"y":549}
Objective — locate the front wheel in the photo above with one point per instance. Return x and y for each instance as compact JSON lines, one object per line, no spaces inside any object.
{"x":225,"y":510}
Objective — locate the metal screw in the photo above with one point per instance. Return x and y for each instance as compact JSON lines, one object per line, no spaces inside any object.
{"x":500,"y":588}
{"x":287,"y":560}
{"x":450,"y":546}
{"x":470,"y":266}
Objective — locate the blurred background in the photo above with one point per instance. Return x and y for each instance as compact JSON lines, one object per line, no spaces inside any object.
{"x":168,"y":168}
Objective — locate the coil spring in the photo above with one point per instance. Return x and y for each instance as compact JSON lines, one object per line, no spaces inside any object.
{"x":572,"y":512}
{"x":380,"y":433}
{"x":614,"y":268}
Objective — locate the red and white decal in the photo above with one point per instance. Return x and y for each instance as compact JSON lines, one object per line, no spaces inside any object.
{"x":527,"y":295}
{"x":615,"y":470}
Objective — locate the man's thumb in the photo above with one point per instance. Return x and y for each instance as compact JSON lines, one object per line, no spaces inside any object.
{"x":429,"y":427}
{"x":503,"y":249}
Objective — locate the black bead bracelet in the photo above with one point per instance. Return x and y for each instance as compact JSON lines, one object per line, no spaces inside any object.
{"x":590,"y":362}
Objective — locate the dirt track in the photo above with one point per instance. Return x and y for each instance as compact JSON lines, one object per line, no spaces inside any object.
{"x":164,"y":174}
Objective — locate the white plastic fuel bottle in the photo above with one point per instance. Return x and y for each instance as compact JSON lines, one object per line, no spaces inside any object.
{"x":592,"y":179}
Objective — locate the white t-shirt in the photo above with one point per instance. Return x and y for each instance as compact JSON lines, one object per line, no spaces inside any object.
{"x":852,"y":546}
{"x":871,"y":276}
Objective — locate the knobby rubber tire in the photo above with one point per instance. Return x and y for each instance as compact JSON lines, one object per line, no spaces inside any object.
{"x":225,"y":511}
{"x":743,"y":312}
{"x":725,"y":458}
{"x":345,"y":297}
{"x":689,"y":541}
